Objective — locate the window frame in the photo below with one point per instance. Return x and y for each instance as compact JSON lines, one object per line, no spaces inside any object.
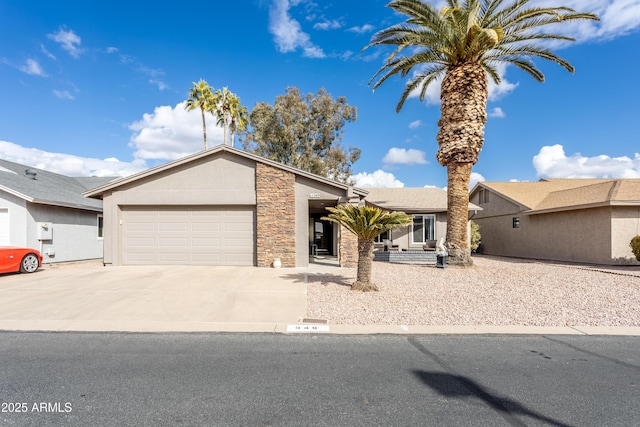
{"x":380,"y":238}
{"x":424,"y":228}
{"x":100,"y":227}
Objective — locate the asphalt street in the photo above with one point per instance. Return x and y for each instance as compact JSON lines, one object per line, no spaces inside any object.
{"x":219,"y":379}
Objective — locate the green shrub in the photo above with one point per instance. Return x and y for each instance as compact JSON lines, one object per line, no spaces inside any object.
{"x":635,"y":246}
{"x":475,"y":236}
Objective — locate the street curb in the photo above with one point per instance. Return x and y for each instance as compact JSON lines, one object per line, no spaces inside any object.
{"x":305,"y":328}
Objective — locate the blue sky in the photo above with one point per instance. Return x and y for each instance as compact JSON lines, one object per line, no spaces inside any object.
{"x":96,"y":88}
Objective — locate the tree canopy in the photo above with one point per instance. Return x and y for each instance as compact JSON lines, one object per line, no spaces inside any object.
{"x":304,"y":132}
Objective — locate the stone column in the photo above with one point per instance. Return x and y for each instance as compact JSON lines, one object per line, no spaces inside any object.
{"x":275,"y":216}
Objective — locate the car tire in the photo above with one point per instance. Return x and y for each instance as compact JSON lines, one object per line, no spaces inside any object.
{"x":29,"y":263}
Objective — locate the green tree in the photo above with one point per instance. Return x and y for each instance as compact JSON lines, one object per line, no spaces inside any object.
{"x":304,"y":132}
{"x":476,"y":237}
{"x":460,"y":46}
{"x":201,"y":96}
{"x":635,"y":247}
{"x":366,"y":223}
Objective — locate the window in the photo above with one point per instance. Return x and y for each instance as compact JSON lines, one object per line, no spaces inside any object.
{"x":516,"y":222}
{"x":100,"y":227}
{"x":382,"y":237}
{"x":483,"y":196}
{"x":423,"y":228}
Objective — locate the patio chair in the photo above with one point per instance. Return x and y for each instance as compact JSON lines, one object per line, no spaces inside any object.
{"x":430,"y":245}
{"x":389,"y":246}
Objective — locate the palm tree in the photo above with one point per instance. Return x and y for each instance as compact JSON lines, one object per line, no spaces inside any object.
{"x":238,"y":117}
{"x":201,"y":96}
{"x":366,"y":223}
{"x":222,"y":100}
{"x":461,"y":45}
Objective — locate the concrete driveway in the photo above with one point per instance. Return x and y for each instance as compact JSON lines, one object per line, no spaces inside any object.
{"x":90,"y":297}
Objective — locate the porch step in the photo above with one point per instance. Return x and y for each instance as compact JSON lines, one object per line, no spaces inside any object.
{"x":405,"y":256}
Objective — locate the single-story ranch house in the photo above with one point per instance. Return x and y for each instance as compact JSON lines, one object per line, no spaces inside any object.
{"x":46,"y":211}
{"x":577,"y":220}
{"x":225,"y":206}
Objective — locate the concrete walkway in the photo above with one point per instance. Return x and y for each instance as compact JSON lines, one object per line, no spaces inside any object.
{"x":90,"y":297}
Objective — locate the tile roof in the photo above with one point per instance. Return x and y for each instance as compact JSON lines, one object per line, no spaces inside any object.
{"x":49,"y":188}
{"x":419,"y":199}
{"x":563,"y":194}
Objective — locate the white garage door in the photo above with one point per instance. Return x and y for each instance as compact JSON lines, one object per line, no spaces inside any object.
{"x":188,"y":235}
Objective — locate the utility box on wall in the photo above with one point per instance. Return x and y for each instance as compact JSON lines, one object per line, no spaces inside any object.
{"x":45,"y":231}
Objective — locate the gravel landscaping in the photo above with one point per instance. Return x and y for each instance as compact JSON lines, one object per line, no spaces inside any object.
{"x":495,"y":291}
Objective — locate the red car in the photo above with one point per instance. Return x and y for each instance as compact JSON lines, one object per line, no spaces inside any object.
{"x":23,"y":260}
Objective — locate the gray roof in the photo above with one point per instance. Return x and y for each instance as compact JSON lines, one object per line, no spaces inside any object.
{"x":49,"y":188}
{"x":416,"y":200}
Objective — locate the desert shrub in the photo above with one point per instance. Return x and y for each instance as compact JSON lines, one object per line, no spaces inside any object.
{"x":635,"y":246}
{"x":475,"y":236}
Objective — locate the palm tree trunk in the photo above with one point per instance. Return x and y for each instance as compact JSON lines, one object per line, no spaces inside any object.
{"x":458,"y":177}
{"x":464,"y":112}
{"x":365,"y":258}
{"x":204,"y":128}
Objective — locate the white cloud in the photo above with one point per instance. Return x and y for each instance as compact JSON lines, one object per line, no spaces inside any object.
{"x":475,"y":178}
{"x":287,"y":32}
{"x":378,"y":178}
{"x":366,"y":28}
{"x":496,"y":112}
{"x":161,"y":85}
{"x":327,"y":25}
{"x":112,"y":49}
{"x":67,"y":164}
{"x":170,"y":133}
{"x":617,"y":18}
{"x":63,"y":94}
{"x":33,"y":67}
{"x":405,"y":156}
{"x":552,"y":162}
{"x":68,"y":40}
{"x":415,"y":124}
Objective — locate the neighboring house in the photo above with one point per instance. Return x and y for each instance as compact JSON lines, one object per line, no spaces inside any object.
{"x":223,"y":206}
{"x":578,"y":220}
{"x":46,"y":211}
{"x":428,"y":207}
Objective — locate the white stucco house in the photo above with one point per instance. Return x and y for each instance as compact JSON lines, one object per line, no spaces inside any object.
{"x":46,"y":211}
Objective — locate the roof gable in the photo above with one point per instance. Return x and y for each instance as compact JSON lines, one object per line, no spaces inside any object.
{"x":99,"y":191}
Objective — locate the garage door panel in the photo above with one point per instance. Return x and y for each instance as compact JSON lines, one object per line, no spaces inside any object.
{"x":188,"y":235}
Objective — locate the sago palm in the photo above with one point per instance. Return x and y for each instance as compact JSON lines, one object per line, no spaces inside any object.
{"x":366,"y":223}
{"x":201,"y":96}
{"x":461,"y":45}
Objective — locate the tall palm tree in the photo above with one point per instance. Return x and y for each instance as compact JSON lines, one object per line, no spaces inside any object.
{"x":238,"y":117}
{"x":366,"y":223}
{"x":222,"y":100}
{"x":201,"y":96}
{"x":461,"y":45}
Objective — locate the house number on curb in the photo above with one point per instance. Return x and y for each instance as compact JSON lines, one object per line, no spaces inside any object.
{"x":308,"y":328}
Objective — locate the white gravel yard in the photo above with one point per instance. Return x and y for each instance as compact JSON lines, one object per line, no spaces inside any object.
{"x":495,"y":291}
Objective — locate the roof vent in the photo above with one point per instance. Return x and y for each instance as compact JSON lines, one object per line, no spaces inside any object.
{"x":30,"y":173}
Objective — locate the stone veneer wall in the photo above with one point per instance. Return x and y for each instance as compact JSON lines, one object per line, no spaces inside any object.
{"x":275,"y":216}
{"x":348,"y":249}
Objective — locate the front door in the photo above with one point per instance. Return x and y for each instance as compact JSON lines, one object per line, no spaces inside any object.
{"x":322,"y":242}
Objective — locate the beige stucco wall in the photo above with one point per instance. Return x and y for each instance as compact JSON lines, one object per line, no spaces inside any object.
{"x":305,"y":187}
{"x":576,"y":236}
{"x":223,"y":180}
{"x":625,"y":224}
